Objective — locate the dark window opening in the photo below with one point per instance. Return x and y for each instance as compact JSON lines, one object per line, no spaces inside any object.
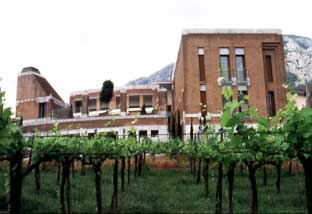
{"x":154,"y":133}
{"x":203,"y":105}
{"x":169,"y":108}
{"x":92,"y":105}
{"x":42,"y":110}
{"x":272,"y":109}
{"x":268,"y":68}
{"x":201,"y":61}
{"x":78,"y":106}
{"x":240,"y":68}
{"x":118,"y":102}
{"x":143,"y":133}
{"x":134,"y":101}
{"x":148,"y":100}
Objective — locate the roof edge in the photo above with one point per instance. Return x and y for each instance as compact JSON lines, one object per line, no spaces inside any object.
{"x":230,"y":31}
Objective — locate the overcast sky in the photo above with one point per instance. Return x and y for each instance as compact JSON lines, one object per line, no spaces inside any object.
{"x":77,"y":45}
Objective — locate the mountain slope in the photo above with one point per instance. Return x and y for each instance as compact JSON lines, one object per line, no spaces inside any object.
{"x":163,"y":74}
{"x":298,"y":53}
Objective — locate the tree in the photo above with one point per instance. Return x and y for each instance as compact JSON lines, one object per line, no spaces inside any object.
{"x":107,"y":91}
{"x":297,"y":124}
{"x":143,"y":109}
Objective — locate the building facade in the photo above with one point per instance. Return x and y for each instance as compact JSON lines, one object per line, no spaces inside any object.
{"x":41,"y":108}
{"x":251,"y":62}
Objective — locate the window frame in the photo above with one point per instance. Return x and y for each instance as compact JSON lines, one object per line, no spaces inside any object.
{"x":222,"y":54}
{"x":138,"y":103}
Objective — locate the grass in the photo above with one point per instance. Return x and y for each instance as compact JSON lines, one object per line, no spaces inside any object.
{"x":164,"y":191}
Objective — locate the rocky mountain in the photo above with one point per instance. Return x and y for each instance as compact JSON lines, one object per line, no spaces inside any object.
{"x":164,"y":74}
{"x":298,"y":58}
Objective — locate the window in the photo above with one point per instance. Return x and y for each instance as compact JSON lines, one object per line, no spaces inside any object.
{"x":169,"y":108}
{"x":201,"y":62}
{"x":143,"y":133}
{"x":118,"y":102}
{"x":224,"y":100}
{"x":42,"y":109}
{"x":104,"y":106}
{"x":154,"y":133}
{"x":272,"y":110}
{"x":241,"y":96}
{"x":225,"y":71}
{"x":240,"y":64}
{"x":268,"y":68}
{"x":147,"y":100}
{"x":78,"y":106}
{"x":203,"y":107}
{"x":92,"y":105}
{"x":134,"y":101}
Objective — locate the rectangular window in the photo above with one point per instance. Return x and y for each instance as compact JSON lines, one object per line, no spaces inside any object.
{"x":78,"y":106}
{"x":143,"y":133}
{"x":240,"y":64}
{"x":168,"y":108}
{"x":118,"y":102}
{"x":92,"y":105}
{"x":268,"y":68}
{"x":241,"y":96}
{"x":42,"y":110}
{"x":134,"y":101}
{"x":147,"y":100}
{"x":154,"y":133}
{"x":203,"y":103}
{"x":201,"y":62}
{"x":272,"y":110}
{"x":225,"y":70}
{"x":104,"y":106}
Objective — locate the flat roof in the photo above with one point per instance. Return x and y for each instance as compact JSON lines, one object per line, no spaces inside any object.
{"x":230,"y":31}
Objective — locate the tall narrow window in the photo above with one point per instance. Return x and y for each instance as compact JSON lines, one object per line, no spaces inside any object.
{"x":147,"y":100}
{"x":134,"y":101}
{"x":225,"y":71}
{"x":268,"y":68}
{"x":240,"y":64}
{"x":118,"y":102}
{"x":203,"y":103}
{"x":42,"y":109}
{"x":272,"y":110}
{"x":201,"y":62}
{"x":78,"y":106}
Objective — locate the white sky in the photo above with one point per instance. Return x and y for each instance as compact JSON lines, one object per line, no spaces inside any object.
{"x":77,"y":44}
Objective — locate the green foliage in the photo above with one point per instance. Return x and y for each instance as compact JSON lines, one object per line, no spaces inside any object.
{"x":297,"y":126}
{"x":10,"y":133}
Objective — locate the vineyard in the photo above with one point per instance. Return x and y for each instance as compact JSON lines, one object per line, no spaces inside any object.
{"x":243,"y":141}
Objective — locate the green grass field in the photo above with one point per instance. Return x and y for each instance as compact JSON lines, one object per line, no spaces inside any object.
{"x":164,"y":191}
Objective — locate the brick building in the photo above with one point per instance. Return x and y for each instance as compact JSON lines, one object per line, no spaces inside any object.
{"x":251,"y":62}
{"x":35,"y":97}
{"x":41,"y":107}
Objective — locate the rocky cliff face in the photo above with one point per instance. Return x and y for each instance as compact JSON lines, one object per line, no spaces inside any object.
{"x":298,"y":58}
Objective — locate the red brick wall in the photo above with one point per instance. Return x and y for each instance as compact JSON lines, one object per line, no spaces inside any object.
{"x":187,"y":70}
